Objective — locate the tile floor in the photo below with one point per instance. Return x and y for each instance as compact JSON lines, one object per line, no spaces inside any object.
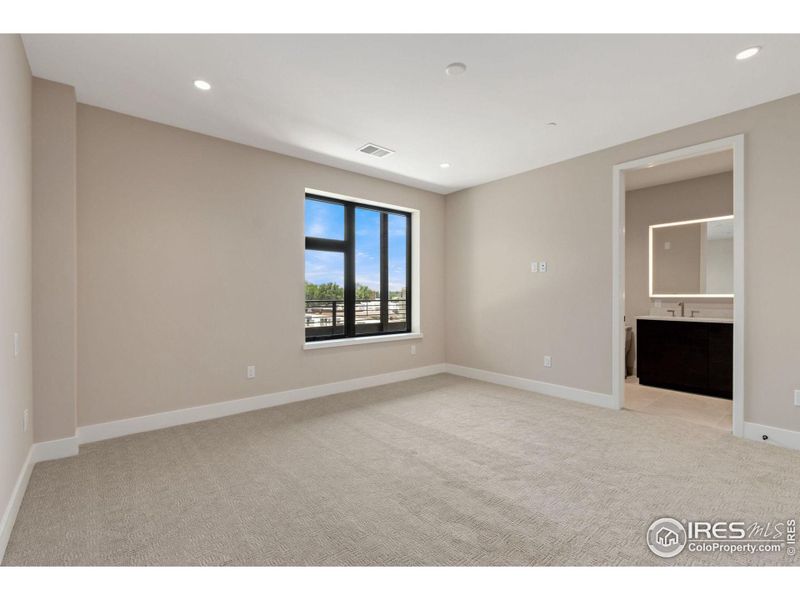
{"x":702,"y":410}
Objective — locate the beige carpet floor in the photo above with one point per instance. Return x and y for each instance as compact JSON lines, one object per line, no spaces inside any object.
{"x":437,"y":471}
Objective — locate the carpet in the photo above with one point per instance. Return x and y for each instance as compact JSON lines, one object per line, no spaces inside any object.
{"x":436,"y":471}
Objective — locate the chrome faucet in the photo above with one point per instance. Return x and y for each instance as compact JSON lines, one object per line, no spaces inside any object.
{"x":683,"y":308}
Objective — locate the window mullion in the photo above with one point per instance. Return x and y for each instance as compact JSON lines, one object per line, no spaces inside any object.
{"x":384,"y":293}
{"x":325,"y":245}
{"x":350,"y":271}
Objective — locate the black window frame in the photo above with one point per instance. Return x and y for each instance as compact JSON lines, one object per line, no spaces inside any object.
{"x":347,"y":247}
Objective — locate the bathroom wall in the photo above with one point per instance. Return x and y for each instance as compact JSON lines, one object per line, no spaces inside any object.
{"x":676,"y":259}
{"x":718,"y":260}
{"x":710,"y":196}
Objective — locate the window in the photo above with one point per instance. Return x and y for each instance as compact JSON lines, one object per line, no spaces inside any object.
{"x":358,"y":269}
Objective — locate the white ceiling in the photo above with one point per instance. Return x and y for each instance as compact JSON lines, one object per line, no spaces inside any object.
{"x":320,"y":97}
{"x":679,"y":170}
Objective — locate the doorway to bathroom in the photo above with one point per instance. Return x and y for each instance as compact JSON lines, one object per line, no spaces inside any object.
{"x":678,"y":279}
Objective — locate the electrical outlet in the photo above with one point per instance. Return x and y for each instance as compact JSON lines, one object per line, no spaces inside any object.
{"x":542,"y":267}
{"x":797,"y":397}
{"x":534,"y":267}
{"x":251,"y":372}
{"x":26,"y":420}
{"x":548,"y":361}
{"x":413,"y":348}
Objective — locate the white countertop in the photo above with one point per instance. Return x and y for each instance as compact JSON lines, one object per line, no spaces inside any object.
{"x":698,"y":319}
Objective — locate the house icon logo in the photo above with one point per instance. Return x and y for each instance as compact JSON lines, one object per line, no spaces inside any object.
{"x":666,"y":537}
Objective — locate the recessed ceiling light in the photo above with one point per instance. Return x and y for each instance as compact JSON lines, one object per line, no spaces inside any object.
{"x":455,"y":69}
{"x":202,"y":85}
{"x":748,"y":53}
{"x":445,"y":165}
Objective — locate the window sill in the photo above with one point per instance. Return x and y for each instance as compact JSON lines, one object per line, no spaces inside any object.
{"x":373,"y":339}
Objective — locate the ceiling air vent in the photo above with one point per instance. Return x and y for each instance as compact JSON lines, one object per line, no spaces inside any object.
{"x":375,"y":151}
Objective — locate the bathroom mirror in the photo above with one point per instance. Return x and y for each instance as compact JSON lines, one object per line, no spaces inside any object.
{"x":692,"y":259}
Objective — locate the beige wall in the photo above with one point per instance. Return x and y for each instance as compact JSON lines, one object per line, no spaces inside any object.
{"x":54,"y":260}
{"x":698,"y":198}
{"x":190,"y":257}
{"x":15,"y":264}
{"x":504,"y":318}
{"x":191,"y":267}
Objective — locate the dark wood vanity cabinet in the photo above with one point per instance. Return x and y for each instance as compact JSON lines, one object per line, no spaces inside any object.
{"x":689,"y":356}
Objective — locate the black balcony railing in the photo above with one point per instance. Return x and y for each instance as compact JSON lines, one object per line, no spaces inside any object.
{"x":326,"y":317}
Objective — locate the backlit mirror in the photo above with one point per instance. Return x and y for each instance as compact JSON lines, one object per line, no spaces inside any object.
{"x":692,"y":259}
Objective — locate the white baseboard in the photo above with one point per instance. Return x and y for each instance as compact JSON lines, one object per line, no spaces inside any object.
{"x":775,"y":435}
{"x":10,"y":514}
{"x":55,"y":449}
{"x":113,"y":429}
{"x":37,"y":453}
{"x":531,"y":385}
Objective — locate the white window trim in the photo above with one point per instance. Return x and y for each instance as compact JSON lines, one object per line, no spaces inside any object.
{"x":370,"y":339}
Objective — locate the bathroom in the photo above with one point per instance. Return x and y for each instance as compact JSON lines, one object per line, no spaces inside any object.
{"x":679,"y":289}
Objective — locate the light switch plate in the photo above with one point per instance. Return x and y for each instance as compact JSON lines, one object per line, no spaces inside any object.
{"x":548,"y":361}
{"x":797,"y":397}
{"x":251,"y":372}
{"x":534,"y":267}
